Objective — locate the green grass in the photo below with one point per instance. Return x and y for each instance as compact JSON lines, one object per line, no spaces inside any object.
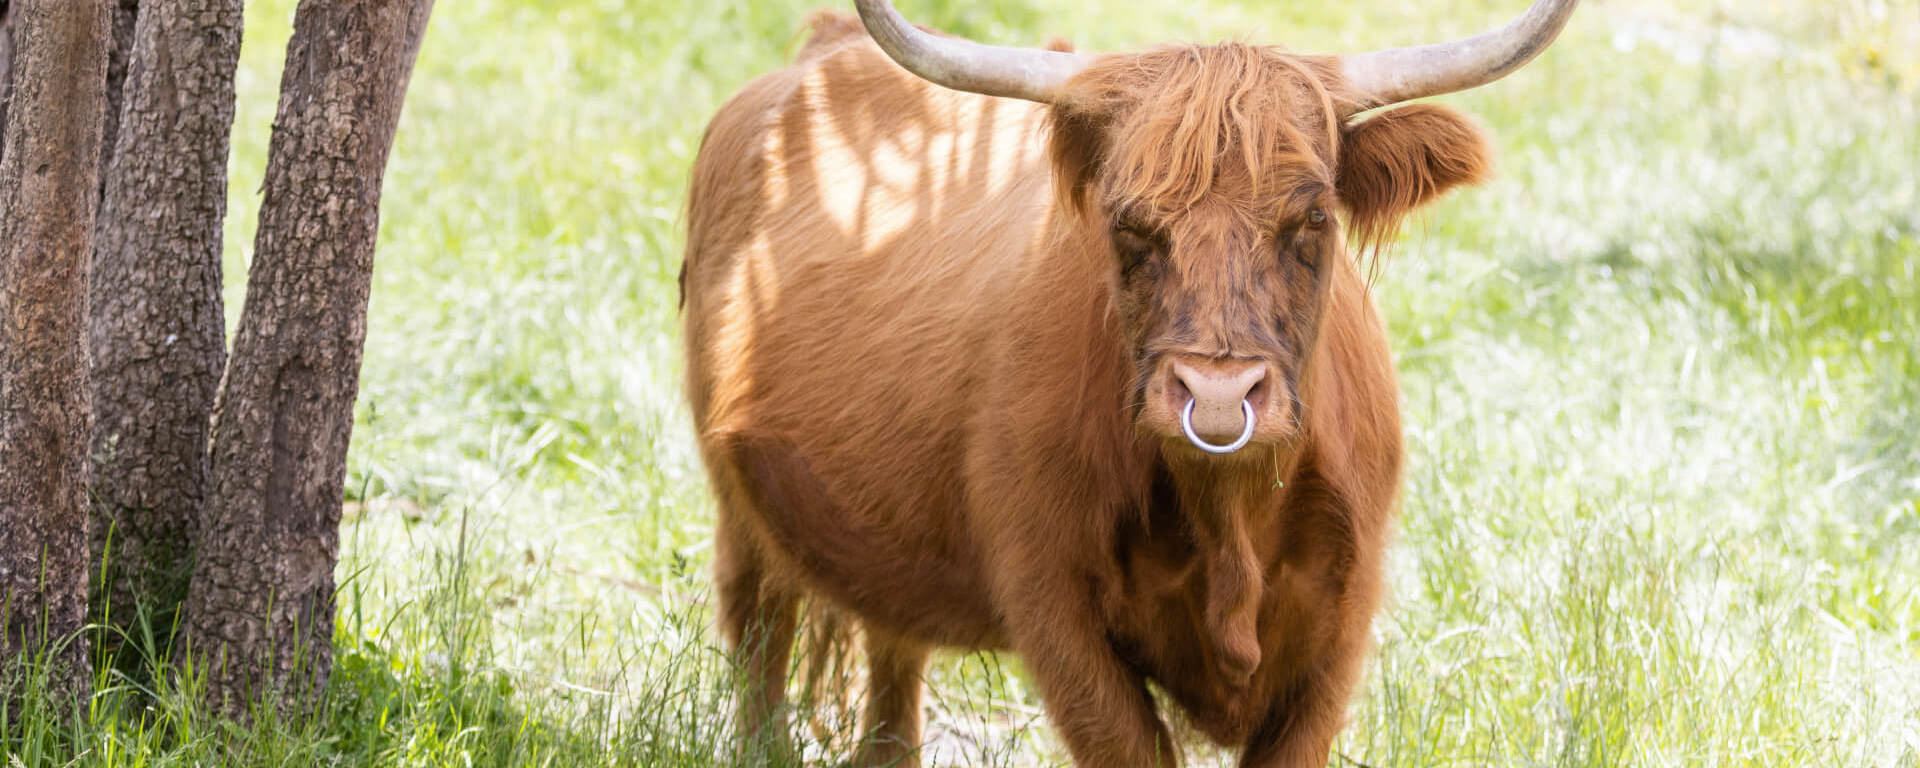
{"x":1662,"y":389}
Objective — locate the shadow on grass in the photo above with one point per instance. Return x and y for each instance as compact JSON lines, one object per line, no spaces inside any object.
{"x":430,"y":691}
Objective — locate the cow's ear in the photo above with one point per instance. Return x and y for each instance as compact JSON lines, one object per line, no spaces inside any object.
{"x":1401,"y":159}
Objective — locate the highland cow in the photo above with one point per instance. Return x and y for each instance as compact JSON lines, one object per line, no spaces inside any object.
{"x":1069,"y":355}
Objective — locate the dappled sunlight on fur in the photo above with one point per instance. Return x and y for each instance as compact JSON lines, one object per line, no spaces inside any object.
{"x":929,"y":338}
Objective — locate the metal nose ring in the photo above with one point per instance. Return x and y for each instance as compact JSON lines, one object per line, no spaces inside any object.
{"x":1186,"y":423}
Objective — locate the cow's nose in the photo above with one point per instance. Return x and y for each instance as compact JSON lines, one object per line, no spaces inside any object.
{"x":1218,"y":388}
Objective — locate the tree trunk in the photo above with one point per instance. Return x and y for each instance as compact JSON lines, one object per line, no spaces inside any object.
{"x":49,"y":183}
{"x":122,"y":14}
{"x":157,"y":328}
{"x":6,"y":66}
{"x":260,"y":611}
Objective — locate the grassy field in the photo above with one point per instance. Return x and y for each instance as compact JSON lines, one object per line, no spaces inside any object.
{"x":1662,"y":390}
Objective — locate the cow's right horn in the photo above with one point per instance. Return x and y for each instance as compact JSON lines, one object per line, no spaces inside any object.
{"x":1399,"y":74}
{"x":964,"y":65}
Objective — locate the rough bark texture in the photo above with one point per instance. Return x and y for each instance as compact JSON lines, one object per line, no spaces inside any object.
{"x":157,"y":330}
{"x":6,"y":65}
{"x":49,"y":182}
{"x":260,"y":611}
{"x":122,"y":14}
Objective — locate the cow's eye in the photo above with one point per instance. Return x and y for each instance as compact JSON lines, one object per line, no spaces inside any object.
{"x":1133,"y":245}
{"x":1316,"y":218}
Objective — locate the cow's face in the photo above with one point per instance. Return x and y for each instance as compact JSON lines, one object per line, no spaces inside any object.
{"x":1221,"y":306}
{"x":1216,"y":178}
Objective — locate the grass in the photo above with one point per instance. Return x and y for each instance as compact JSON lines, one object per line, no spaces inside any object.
{"x":1662,"y":382}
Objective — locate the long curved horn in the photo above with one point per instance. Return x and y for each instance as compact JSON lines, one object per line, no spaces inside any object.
{"x":964,"y":65}
{"x":1398,"y":74}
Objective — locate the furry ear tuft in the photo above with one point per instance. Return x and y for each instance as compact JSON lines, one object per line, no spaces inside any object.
{"x":1401,"y":159}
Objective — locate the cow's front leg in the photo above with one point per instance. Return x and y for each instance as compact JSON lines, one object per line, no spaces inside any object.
{"x":1298,"y":731}
{"x":1330,"y":578}
{"x":1100,"y":706}
{"x":1300,"y":724}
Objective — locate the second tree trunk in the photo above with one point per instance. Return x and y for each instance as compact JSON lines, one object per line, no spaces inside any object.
{"x":156,"y":328}
{"x":260,"y":610}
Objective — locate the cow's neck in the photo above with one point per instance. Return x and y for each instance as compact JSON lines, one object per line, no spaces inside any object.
{"x":1226,"y":504}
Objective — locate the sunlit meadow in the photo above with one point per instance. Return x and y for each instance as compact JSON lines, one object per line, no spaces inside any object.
{"x":1661,"y":387}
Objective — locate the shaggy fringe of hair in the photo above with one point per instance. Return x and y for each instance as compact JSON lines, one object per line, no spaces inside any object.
{"x":1173,"y":115}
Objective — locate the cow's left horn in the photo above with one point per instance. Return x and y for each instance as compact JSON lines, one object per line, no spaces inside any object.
{"x":1399,"y":74}
{"x":964,"y":65}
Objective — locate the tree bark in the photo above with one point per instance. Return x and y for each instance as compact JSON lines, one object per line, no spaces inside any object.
{"x":157,"y":328}
{"x":260,"y":611}
{"x":122,"y":14}
{"x":6,"y":66}
{"x":49,"y":185}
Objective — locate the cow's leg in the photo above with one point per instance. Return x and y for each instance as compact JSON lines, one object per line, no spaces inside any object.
{"x":759,"y":618}
{"x":1333,"y":583}
{"x":1098,"y":704}
{"x":893,"y":718}
{"x":1299,"y":729}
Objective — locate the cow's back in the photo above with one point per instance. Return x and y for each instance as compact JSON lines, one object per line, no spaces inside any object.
{"x":853,"y":233}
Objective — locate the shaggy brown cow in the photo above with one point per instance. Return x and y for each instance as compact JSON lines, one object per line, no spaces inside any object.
{"x":1066,"y":354}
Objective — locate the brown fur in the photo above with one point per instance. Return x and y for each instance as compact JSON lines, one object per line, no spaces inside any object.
{"x":928,"y":337}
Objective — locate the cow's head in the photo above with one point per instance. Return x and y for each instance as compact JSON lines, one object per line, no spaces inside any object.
{"x":1217,"y":178}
